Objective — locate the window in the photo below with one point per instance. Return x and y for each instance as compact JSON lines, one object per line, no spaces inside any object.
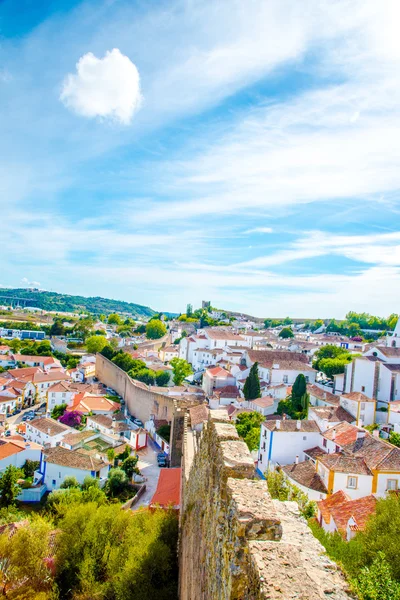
{"x":54,"y":482}
{"x":391,"y":484}
{"x":363,"y":405}
{"x":363,"y":388}
{"x":337,"y":448}
{"x":304,"y":437}
{"x":260,"y":457}
{"x":352,"y":482}
{"x":285,"y":379}
{"x":324,"y":442}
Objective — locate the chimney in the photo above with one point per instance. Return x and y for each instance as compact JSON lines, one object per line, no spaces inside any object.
{"x":298,"y":425}
{"x":359,"y":423}
{"x":297,"y":459}
{"x":48,"y":431}
{"x":114,"y":422}
{"x":333,"y":435}
{"x":277,"y":424}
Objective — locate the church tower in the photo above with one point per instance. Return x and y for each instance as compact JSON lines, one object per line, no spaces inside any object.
{"x":393,"y":339}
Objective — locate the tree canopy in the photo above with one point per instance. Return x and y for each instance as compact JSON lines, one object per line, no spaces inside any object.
{"x":251,"y":388}
{"x":181,"y":369}
{"x":155,"y":329}
{"x":248,"y":426}
{"x":96,"y":343}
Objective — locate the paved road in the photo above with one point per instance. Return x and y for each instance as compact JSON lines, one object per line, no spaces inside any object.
{"x":14,"y":420}
{"x":149,"y":468}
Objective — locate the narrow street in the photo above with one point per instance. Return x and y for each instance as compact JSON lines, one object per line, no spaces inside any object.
{"x":149,"y":468}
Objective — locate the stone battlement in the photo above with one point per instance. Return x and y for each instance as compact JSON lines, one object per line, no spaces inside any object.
{"x":236,"y":543}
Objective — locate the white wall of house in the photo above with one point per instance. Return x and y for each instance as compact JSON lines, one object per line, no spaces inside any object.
{"x":7,"y":406}
{"x":312,"y":494}
{"x":18,"y":459}
{"x":39,"y":437}
{"x":383,"y":486}
{"x":56,"y":398}
{"x":365,"y":411}
{"x":55,"y":475}
{"x":282,"y":447}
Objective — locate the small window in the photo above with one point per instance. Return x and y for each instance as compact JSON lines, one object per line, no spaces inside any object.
{"x":54,"y":482}
{"x":337,"y":448}
{"x":285,"y":379}
{"x":352,"y":482}
{"x":260,"y":457}
{"x":363,"y":388}
{"x":304,"y":437}
{"x":324,"y":443}
{"x":391,"y":484}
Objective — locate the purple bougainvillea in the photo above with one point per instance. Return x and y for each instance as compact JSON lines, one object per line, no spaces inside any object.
{"x":72,"y":418}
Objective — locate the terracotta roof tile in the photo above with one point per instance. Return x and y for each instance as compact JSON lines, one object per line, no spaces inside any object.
{"x":305,"y":474}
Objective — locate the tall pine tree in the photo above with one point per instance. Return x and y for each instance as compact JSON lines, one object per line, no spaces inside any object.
{"x":251,"y":388}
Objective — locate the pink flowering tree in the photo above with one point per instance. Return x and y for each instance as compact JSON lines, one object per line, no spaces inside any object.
{"x":72,"y":418}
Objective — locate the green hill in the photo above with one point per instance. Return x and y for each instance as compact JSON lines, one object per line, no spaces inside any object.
{"x":66,"y":303}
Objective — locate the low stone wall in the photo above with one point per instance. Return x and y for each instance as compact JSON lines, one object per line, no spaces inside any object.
{"x":236,"y":543}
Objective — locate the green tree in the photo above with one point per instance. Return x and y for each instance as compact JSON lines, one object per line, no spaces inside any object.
{"x":58,"y":411}
{"x":394,"y":438}
{"x":155,"y":329}
{"x":29,"y":467}
{"x":108,"y":352}
{"x":9,"y":487}
{"x":96,"y":343}
{"x":162,"y":378}
{"x":281,"y":489}
{"x":248,"y":427}
{"x":127,"y":363}
{"x":114,"y":319}
{"x":376,"y":582}
{"x":117,"y":482}
{"x":181,"y":369}
{"x":69,"y":482}
{"x":286,"y":332}
{"x":146,"y":376}
{"x":251,"y":388}
{"x":129,"y":466}
{"x":57,"y":328}
{"x":331,"y":359}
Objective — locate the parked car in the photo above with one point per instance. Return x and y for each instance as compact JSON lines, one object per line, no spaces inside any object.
{"x":8,"y":433}
{"x":138,"y":422}
{"x":162,"y":461}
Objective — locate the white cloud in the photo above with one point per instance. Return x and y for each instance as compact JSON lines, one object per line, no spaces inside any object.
{"x":106,"y":87}
{"x":260,"y":230}
{"x":29,"y":284}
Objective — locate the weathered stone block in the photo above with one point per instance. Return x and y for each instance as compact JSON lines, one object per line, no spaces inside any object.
{"x":237,"y":459}
{"x":226,"y":431}
{"x":255,"y":510}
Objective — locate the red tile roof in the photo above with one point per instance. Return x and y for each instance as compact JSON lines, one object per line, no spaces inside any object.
{"x":168,"y":492}
{"x":358,"y":397}
{"x":342,"y":434}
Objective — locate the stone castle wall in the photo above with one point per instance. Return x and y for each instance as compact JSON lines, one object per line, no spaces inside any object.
{"x":143,"y":403}
{"x":235,"y":542}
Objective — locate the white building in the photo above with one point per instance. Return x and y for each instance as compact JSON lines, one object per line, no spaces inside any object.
{"x":265,"y":406}
{"x":281,"y":441}
{"x":17,"y":452}
{"x":215,"y":378}
{"x":58,"y":463}
{"x":46,"y":432}
{"x":276,"y":367}
{"x":360,"y":406}
{"x":59,"y":393}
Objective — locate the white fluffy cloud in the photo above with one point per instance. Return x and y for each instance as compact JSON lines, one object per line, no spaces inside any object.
{"x":106,"y":87}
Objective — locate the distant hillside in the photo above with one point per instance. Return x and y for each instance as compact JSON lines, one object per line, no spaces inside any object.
{"x":66,"y":303}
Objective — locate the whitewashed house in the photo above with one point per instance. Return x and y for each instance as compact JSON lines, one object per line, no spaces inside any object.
{"x":58,"y":463}
{"x":46,"y":432}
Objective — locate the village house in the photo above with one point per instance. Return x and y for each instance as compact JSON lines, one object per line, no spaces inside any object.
{"x":276,"y":367}
{"x":304,"y":476}
{"x":215,"y":378}
{"x":281,"y":441}
{"x":110,"y":425}
{"x":169,"y":352}
{"x":17,"y":452}
{"x":266,"y":405}
{"x":339,"y":512}
{"x":59,"y":393}
{"x":47,"y":432}
{"x":360,"y":406}
{"x":91,"y":403}
{"x":58,"y":463}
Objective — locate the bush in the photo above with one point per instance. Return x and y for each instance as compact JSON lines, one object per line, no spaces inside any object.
{"x":281,"y":489}
{"x":29,"y":468}
{"x":69,"y":482}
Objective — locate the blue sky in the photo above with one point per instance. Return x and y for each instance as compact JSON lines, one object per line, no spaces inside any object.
{"x":169,"y":152}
